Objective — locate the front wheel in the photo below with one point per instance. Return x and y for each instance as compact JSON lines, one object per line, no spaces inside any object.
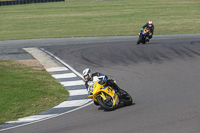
{"x":144,"y":40}
{"x":139,"y":40}
{"x":105,"y":104}
{"x":96,"y":103}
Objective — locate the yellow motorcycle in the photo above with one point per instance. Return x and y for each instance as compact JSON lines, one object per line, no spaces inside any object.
{"x":106,"y":97}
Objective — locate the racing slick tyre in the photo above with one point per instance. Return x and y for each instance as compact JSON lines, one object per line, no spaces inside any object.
{"x":107,"y":105}
{"x":126,"y":98}
{"x":139,"y":40}
{"x":96,"y":103}
{"x":143,"y":41}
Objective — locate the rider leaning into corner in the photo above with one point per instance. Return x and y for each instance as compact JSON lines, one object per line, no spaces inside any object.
{"x":89,"y":76}
{"x":150,"y":26}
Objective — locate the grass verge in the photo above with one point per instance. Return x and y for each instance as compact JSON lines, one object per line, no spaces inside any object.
{"x":27,"y":89}
{"x":78,"y":18}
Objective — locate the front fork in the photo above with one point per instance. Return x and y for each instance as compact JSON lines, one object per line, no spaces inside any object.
{"x":103,"y":96}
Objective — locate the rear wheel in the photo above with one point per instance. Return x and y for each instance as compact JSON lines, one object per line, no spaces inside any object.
{"x":106,"y":104}
{"x":127,"y":99}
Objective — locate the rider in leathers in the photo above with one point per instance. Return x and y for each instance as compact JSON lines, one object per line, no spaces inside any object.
{"x":150,"y":26}
{"x":89,"y":76}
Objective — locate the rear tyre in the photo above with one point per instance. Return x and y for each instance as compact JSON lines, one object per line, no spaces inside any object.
{"x":127,"y":99}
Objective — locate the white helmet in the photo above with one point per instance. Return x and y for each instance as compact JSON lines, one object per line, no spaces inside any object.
{"x":87,"y":74}
{"x":150,"y":23}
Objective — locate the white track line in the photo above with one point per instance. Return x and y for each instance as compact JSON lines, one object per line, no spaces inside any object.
{"x":50,"y":116}
{"x":62,"y":62}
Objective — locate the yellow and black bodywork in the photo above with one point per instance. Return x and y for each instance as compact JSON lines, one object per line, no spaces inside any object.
{"x":105,"y":94}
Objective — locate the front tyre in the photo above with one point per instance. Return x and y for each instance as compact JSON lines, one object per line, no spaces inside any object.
{"x":144,"y":40}
{"x":107,"y":105}
{"x":139,"y":40}
{"x":96,"y":103}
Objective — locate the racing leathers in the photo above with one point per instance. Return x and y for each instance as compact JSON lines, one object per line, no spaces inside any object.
{"x":104,"y":79}
{"x":150,"y":28}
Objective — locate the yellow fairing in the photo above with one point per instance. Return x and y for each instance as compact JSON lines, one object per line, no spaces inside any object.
{"x":101,"y":90}
{"x":145,"y":31}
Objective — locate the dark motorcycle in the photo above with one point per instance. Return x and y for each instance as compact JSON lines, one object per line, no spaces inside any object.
{"x":143,"y":36}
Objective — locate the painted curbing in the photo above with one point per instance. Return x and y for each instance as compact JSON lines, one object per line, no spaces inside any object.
{"x":68,"y":77}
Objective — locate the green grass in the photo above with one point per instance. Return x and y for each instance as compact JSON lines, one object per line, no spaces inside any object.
{"x":6,"y":0}
{"x":25,"y":91}
{"x":82,"y":18}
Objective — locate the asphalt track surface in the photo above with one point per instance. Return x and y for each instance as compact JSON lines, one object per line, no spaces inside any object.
{"x":162,"y":76}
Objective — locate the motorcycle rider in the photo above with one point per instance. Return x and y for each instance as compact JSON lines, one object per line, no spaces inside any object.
{"x":150,"y":26}
{"x":89,"y":76}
